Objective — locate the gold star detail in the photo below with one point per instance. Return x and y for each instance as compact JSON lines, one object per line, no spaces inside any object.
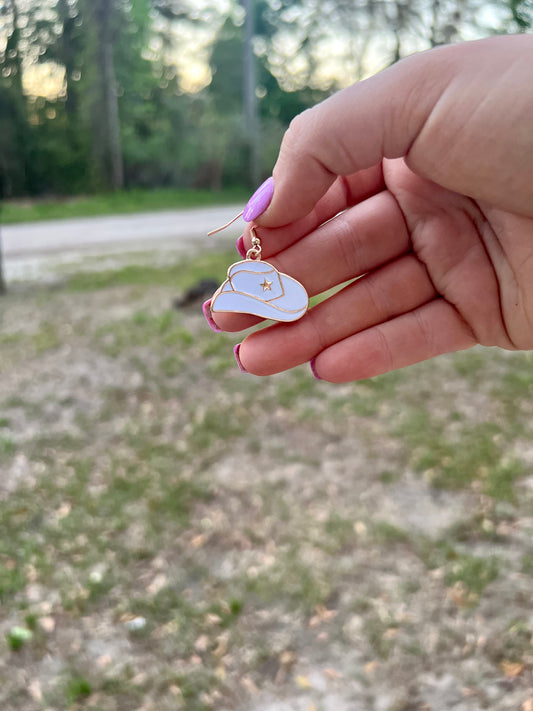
{"x":267,"y":285}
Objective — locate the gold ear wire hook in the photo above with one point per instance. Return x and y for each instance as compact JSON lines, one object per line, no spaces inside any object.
{"x":255,"y":250}
{"x":219,"y":229}
{"x":256,"y":242}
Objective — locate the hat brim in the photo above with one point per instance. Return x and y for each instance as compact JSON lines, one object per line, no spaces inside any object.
{"x":290,"y":307}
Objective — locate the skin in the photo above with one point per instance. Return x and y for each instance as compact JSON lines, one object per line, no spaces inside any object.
{"x":431,"y":165}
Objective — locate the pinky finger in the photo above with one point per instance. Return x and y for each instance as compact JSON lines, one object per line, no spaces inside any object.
{"x":431,"y":330}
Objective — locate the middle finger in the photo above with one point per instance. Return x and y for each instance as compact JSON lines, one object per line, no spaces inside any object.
{"x":358,"y":240}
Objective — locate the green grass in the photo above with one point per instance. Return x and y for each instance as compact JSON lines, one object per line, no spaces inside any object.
{"x":339,"y":532}
{"x":514,"y":387}
{"x":474,"y":572}
{"x":298,"y":585}
{"x":295,"y":389}
{"x":515,"y":644}
{"x":476,"y":454}
{"x":20,"y":345}
{"x":192,"y":686}
{"x":389,"y":477}
{"x":17,"y":637}
{"x":76,"y":689}
{"x":47,"y":338}
{"x":156,"y":331}
{"x":128,"y":201}
{"x":181,"y":275}
{"x":527,"y":564}
{"x":7,"y":448}
{"x":142,"y":487}
{"x":470,"y":364}
{"x":388,"y":534}
{"x":367,"y":396}
{"x":375,"y":630}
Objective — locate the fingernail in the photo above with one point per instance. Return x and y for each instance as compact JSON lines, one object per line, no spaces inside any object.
{"x":241,"y":249}
{"x":259,"y":201}
{"x":236,"y":351}
{"x":312,"y":365}
{"x":206,"y":308}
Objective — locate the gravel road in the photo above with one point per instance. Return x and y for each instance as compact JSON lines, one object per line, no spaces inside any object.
{"x":34,"y":250}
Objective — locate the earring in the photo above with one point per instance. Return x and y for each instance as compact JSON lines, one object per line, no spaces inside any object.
{"x":257,"y":288}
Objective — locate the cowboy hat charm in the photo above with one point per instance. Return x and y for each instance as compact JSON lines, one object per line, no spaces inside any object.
{"x":257,"y":288}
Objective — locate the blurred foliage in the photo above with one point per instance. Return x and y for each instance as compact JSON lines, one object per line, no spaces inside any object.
{"x":122,"y":116}
{"x":522,"y":11}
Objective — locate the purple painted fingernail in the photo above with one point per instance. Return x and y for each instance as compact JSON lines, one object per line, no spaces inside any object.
{"x":236,"y":351}
{"x":312,"y":365}
{"x":241,"y":249}
{"x":259,"y":201}
{"x":206,"y":308}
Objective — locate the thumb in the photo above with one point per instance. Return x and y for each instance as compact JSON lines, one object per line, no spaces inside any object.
{"x":354,"y":129}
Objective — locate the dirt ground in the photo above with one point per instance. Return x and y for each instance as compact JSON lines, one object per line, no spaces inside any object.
{"x":177,"y":535}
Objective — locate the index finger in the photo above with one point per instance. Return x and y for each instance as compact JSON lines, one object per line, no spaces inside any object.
{"x":354,"y":129}
{"x":344,"y":193}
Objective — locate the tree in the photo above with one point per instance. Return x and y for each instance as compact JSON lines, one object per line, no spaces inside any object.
{"x":62,"y":41}
{"x":122,"y":118}
{"x":12,"y":59}
{"x":250,"y":109}
{"x":102,"y":22}
{"x":15,"y":133}
{"x":522,"y":13}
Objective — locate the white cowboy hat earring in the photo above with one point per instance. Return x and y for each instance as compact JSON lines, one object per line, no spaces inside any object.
{"x":257,"y":288}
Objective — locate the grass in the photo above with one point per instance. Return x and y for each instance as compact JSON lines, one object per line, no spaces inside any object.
{"x":17,"y":637}
{"x":367,"y":396}
{"x":14,"y":346}
{"x":474,"y":572}
{"x":7,"y":447}
{"x":376,"y":631}
{"x":220,"y":508}
{"x":474,"y":455}
{"x":386,"y":533}
{"x":527,"y":564}
{"x":180,"y":275}
{"x":161,"y":330}
{"x":515,"y":644}
{"x":76,"y":689}
{"x":295,"y":389}
{"x":298,"y":585}
{"x":124,"y":202}
{"x":514,"y":387}
{"x":388,"y":477}
{"x":339,"y":532}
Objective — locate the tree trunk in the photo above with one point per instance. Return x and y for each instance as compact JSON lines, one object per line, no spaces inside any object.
{"x":13,"y":64}
{"x":69,"y":43}
{"x":13,"y":47}
{"x":250,"y":107}
{"x":110,"y":118}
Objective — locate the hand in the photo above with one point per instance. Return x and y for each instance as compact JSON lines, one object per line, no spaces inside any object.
{"x":430,"y":164}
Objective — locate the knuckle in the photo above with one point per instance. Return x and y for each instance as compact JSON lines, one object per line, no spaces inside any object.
{"x":297,"y":135}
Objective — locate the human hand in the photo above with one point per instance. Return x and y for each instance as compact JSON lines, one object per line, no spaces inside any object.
{"x":430,"y":164}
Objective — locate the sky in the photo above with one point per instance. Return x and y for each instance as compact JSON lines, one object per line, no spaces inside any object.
{"x":337,"y":56}
{"x":191,"y":52}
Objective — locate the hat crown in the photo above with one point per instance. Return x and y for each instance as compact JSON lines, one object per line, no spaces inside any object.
{"x":257,"y":288}
{"x":251,"y":265}
{"x":264,"y":283}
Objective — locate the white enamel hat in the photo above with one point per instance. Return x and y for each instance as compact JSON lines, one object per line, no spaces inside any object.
{"x":257,"y":288}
